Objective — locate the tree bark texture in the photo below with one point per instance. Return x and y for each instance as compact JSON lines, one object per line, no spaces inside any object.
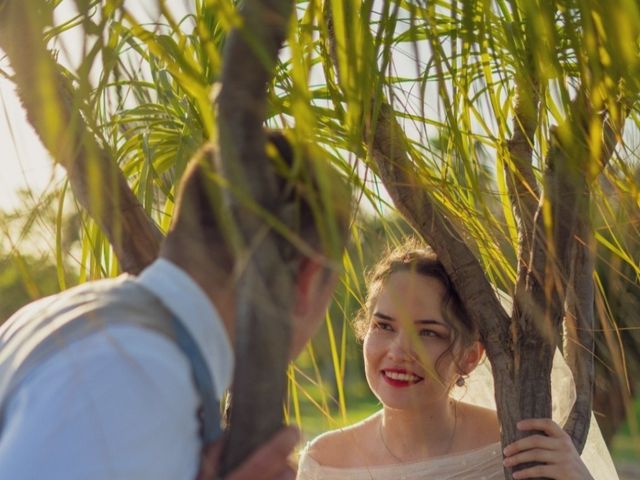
{"x":54,"y":111}
{"x":267,"y":276}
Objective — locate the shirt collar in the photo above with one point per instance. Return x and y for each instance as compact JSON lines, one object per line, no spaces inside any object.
{"x":187,"y":301}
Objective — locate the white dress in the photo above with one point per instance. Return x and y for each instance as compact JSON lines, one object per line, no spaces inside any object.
{"x":480,"y":464}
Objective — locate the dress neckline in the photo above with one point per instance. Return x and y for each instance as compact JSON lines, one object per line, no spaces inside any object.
{"x":494,"y":448}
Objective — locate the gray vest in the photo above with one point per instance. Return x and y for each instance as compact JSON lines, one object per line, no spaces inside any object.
{"x":41,"y":329}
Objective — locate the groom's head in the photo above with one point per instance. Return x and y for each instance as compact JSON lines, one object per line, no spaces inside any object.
{"x":315,"y":207}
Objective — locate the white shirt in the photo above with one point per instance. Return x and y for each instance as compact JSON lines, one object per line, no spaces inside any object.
{"x":119,"y":404}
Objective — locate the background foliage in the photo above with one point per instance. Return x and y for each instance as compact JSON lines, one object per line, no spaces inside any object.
{"x":450,"y":71}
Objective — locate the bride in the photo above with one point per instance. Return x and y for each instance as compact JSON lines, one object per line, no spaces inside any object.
{"x":419,"y":346}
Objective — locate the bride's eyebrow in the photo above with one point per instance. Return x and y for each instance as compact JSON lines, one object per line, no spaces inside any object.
{"x":433,"y":322}
{"x":387,"y":318}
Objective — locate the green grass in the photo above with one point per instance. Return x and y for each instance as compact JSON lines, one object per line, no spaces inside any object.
{"x":314,"y":424}
{"x":626,"y":443}
{"x":360,"y":403}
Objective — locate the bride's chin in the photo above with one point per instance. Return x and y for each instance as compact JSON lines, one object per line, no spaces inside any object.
{"x":418,"y":404}
{"x":403,"y":404}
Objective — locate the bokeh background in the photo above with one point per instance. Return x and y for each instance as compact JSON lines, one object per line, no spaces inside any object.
{"x":47,"y":243}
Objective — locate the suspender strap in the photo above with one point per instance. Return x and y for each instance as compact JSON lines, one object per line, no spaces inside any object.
{"x":210,"y":416}
{"x":141,"y":309}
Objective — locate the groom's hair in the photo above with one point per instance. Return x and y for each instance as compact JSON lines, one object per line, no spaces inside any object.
{"x":314,"y":203}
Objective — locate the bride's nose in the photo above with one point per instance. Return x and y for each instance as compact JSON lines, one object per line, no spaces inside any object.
{"x":401,"y":346}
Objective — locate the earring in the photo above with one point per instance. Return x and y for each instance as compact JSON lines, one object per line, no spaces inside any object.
{"x":460,"y":381}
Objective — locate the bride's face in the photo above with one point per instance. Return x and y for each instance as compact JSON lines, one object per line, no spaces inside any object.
{"x":409,"y":359}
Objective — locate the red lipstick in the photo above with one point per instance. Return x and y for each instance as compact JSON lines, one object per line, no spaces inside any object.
{"x":400,"y":378}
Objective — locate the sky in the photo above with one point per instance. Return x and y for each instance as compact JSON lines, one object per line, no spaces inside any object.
{"x":24,"y":162}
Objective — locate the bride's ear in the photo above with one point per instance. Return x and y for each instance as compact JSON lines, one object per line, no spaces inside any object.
{"x":471,"y":357}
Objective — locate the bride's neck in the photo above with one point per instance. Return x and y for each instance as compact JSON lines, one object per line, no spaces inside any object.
{"x":415,"y":434}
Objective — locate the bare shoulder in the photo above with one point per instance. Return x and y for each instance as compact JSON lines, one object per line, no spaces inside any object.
{"x":479,"y":425}
{"x":329,"y":448}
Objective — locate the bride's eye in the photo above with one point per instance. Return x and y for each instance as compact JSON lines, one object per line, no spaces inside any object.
{"x":380,"y":325}
{"x":425,"y":332}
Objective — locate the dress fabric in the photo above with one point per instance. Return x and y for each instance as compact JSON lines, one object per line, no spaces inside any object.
{"x":484,"y":463}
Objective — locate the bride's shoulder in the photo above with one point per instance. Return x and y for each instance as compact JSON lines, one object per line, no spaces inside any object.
{"x":481,"y":424}
{"x":329,"y":448}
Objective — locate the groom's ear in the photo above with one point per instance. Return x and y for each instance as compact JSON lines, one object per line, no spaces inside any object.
{"x":314,"y":286}
{"x":471,"y":357}
{"x":307,"y":280}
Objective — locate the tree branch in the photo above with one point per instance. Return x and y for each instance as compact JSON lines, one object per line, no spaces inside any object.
{"x":264,"y":299}
{"x":611,"y":134}
{"x":53,"y":111}
{"x":548,"y":266}
{"x":524,"y":193}
{"x":579,"y":325}
{"x":521,"y":181}
{"x":568,"y":273}
{"x":580,"y":315}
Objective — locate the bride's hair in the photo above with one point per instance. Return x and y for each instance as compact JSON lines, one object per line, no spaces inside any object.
{"x":414,"y":256}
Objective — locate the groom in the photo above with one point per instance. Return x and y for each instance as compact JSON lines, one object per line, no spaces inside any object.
{"x":120,"y":378}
